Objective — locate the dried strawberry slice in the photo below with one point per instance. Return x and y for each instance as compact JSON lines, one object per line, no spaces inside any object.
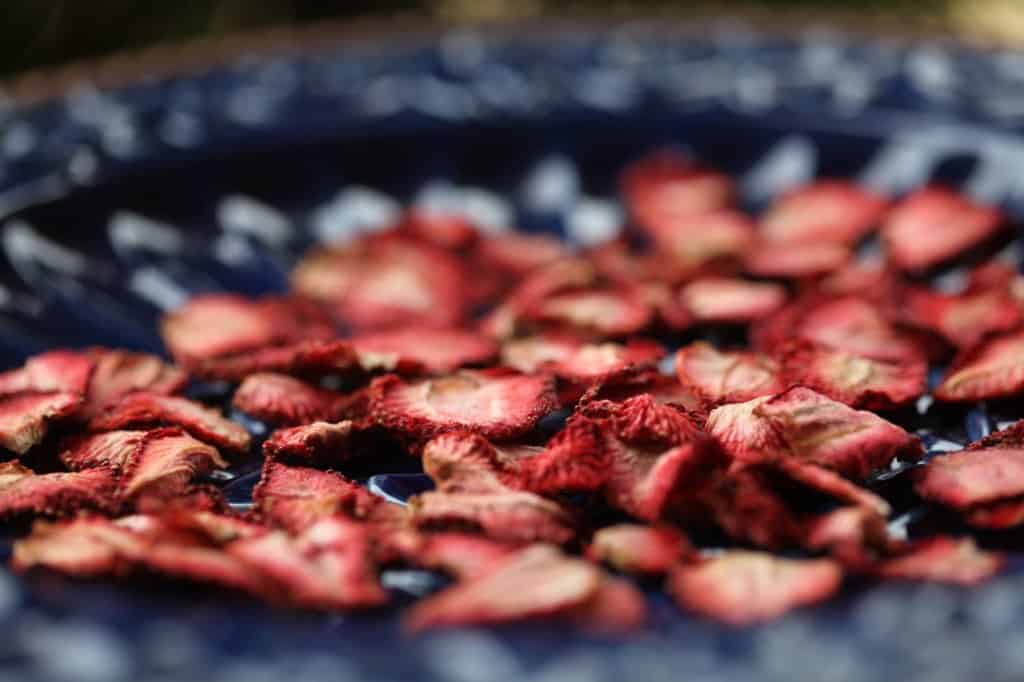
{"x":965,"y":319}
{"x":852,"y":535}
{"x":26,"y":418}
{"x":832,"y":484}
{"x":536,"y":582}
{"x":501,"y":514}
{"x":666,"y":186}
{"x":795,"y":260}
{"x":712,"y":239}
{"x":328,"y":566}
{"x":460,"y":555}
{"x":165,"y":465}
{"x":496,"y":404}
{"x":576,"y":361}
{"x":438,"y":351}
{"x":24,"y":492}
{"x":285,"y":400}
{"x":942,"y":559}
{"x":145,"y":410}
{"x":448,"y":231}
{"x":824,"y":211}
{"x":867,"y":280}
{"x":87,"y":546}
{"x":742,"y":588}
{"x":111,"y":450}
{"x":385,"y":282}
{"x":808,"y":426}
{"x":515,"y":254}
{"x":935,"y":225}
{"x":601,"y":311}
{"x":746,"y":505}
{"x":666,"y":390}
{"x":718,"y":377}
{"x":311,"y":443}
{"x":118,"y":373}
{"x":463,"y":461}
{"x":725,"y":300}
{"x":632,"y":548}
{"x":971,"y":477}
{"x":312,"y":359}
{"x":992,"y":369}
{"x":214,"y":325}
{"x":295,"y":497}
{"x":855,"y":380}
{"x":1008,"y":438}
{"x":59,"y":371}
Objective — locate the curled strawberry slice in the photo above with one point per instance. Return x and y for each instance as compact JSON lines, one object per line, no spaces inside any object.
{"x":111,"y":450}
{"x":296,"y":497}
{"x":147,"y":410}
{"x":665,"y":389}
{"x":118,"y":373}
{"x":461,"y":555}
{"x":216,"y":325}
{"x":719,"y":377}
{"x":516,"y":254}
{"x":851,"y":535}
{"x":24,"y":492}
{"x":58,"y":371}
{"x":313,"y":359}
{"x":463,"y":461}
{"x":798,"y":260}
{"x":705,"y":241}
{"x":25,"y":418}
{"x":438,"y":351}
{"x":805,"y":425}
{"x":964,"y":319}
{"x":165,"y":464}
{"x":963,"y":479}
{"x":855,"y":380}
{"x":284,"y":400}
{"x":942,"y":559}
{"x":992,"y":369}
{"x":574,"y":360}
{"x":632,"y":548}
{"x":825,"y":211}
{"x":742,"y":588}
{"x":724,"y":300}
{"x":935,"y":225}
{"x":311,"y":443}
{"x":601,"y":311}
{"x":496,"y":404}
{"x":501,"y":514}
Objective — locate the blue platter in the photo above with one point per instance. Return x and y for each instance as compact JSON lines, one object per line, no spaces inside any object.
{"x":119,"y":204}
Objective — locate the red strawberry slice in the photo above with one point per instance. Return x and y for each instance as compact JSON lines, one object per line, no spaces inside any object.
{"x":118,"y":373}
{"x":830,"y":483}
{"x":460,"y":555}
{"x":868,"y":280}
{"x":574,"y":360}
{"x":799,"y":260}
{"x":147,"y":410}
{"x":296,"y":497}
{"x":824,"y":211}
{"x":853,"y":379}
{"x":438,"y":351}
{"x":718,"y":299}
{"x":536,"y":582}
{"x":808,"y":426}
{"x":942,"y":559}
{"x":965,"y":319}
{"x":719,"y":238}
{"x":385,"y":282}
{"x":496,"y":404}
{"x":851,"y":535}
{"x":215,"y":325}
{"x":604,"y":312}
{"x":992,"y":369}
{"x":666,"y":390}
{"x":312,"y":359}
{"x":935,"y":225}
{"x":970,"y":477}
{"x":718,"y":377}
{"x":24,"y":492}
{"x":632,"y":548}
{"x":87,"y":546}
{"x":1008,"y":438}
{"x":58,"y":371}
{"x":501,"y":514}
{"x":165,"y":465}
{"x":311,"y":443}
{"x":463,"y":461}
{"x":25,"y":418}
{"x":741,"y":588}
{"x":515,"y":254}
{"x":285,"y":400}
{"x":111,"y":450}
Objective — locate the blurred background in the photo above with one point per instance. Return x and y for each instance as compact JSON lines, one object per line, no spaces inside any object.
{"x":38,"y":33}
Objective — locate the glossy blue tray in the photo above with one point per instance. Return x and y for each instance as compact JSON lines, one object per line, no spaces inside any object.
{"x":117,"y":205}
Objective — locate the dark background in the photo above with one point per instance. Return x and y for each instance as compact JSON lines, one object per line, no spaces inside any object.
{"x":36,"y":33}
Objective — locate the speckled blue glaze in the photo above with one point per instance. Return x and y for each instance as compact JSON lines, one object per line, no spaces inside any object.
{"x":117,"y":205}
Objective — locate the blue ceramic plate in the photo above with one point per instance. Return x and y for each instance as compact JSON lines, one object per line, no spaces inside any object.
{"x":117,"y":205}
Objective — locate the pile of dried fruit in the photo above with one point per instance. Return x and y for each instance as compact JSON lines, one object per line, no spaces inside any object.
{"x":530,"y":382}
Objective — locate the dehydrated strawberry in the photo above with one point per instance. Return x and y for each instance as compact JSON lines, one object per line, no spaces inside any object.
{"x":24,"y":492}
{"x":742,"y":588}
{"x":463,"y":461}
{"x":311,"y":443}
{"x":111,"y":450}
{"x":1009,"y":438}
{"x":501,"y":514}
{"x":215,"y":325}
{"x":601,"y":311}
{"x":964,"y":319}
{"x":448,"y":231}
{"x":118,"y":373}
{"x":824,"y":211}
{"x":633,"y":548}
{"x":496,"y":404}
{"x":438,"y":351}
{"x":971,"y":477}
{"x":576,"y":361}
{"x":25,"y":418}
{"x":460,"y":555}
{"x":852,"y":535}
{"x":747,"y":506}
{"x":295,"y":497}
{"x":992,"y":369}
{"x":806,"y":425}
{"x":385,"y":282}
{"x":515,"y":254}
{"x":934,"y":225}
{"x":166,"y":464}
{"x":853,"y":379}
{"x":284,"y":400}
{"x":58,"y":371}
{"x":867,"y":280}
{"x":144,"y":410}
{"x":719,"y":377}
{"x":832,"y":484}
{"x":86,"y":546}
{"x":666,"y":186}
{"x":313,"y":359}
{"x":328,"y":566}
{"x":720,"y":299}
{"x":536,"y":582}
{"x":665,"y":389}
{"x":705,"y":240}
{"x":795,"y":260}
{"x":942,"y":559}
{"x":618,"y":261}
